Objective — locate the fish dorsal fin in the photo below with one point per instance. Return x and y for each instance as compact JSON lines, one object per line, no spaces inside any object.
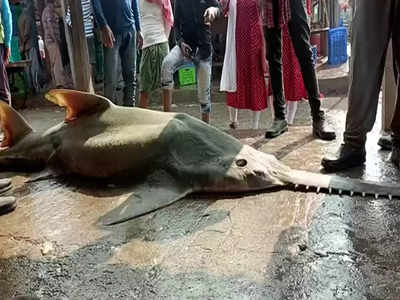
{"x":77,"y":103}
{"x":13,"y":125}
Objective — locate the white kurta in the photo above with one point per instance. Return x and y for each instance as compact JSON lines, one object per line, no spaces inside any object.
{"x":228,"y":79}
{"x":152,"y":22}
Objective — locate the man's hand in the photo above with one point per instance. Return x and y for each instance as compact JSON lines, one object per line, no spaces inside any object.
{"x":108,"y":37}
{"x":210,"y":14}
{"x":7,"y":53}
{"x":139,"y":39}
{"x":186,"y":50}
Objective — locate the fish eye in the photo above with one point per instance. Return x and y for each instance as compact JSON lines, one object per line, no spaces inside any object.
{"x":241,"y":162}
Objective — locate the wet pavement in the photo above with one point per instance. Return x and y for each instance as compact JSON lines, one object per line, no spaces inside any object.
{"x":281,"y":244}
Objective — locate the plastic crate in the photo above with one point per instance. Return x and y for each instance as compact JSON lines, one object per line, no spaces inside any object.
{"x":337,"y":46}
{"x":187,"y":75}
{"x":314,"y":55}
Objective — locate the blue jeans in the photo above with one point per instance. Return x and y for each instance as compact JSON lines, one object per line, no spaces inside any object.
{"x":125,"y":47}
{"x":171,"y":64}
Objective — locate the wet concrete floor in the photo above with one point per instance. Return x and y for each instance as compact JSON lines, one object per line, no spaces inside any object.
{"x":275,"y":245}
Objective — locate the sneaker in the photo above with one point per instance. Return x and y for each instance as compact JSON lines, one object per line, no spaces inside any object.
{"x":347,"y":157}
{"x":277,"y":128}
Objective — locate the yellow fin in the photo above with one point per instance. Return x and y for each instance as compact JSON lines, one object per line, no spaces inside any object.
{"x":13,"y":125}
{"x":77,"y":103}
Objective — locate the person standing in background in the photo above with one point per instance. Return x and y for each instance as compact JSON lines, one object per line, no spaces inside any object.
{"x":192,"y":27}
{"x":28,"y":44}
{"x":157,"y":21}
{"x":244,"y":69}
{"x":52,"y":40}
{"x":293,"y":83}
{"x":5,"y":49}
{"x":119,"y":21}
{"x":278,"y":13}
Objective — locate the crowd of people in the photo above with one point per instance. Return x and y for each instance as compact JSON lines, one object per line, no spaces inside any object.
{"x":263,"y":36}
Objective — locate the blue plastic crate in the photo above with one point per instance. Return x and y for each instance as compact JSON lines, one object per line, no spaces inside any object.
{"x":337,"y":46}
{"x":314,"y":55}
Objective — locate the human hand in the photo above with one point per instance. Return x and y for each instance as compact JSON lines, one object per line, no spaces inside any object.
{"x":7,"y":54}
{"x":210,"y":14}
{"x":139,"y":39}
{"x":186,"y":49}
{"x":108,"y":37}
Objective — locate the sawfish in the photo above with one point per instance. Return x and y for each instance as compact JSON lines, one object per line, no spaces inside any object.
{"x":165,"y":156}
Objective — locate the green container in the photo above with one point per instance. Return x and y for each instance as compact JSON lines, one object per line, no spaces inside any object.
{"x":187,"y":75}
{"x":15,"y":55}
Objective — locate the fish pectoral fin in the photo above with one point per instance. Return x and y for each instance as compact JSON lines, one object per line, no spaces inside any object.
{"x":13,"y":125}
{"x":77,"y":103}
{"x":158,"y":191}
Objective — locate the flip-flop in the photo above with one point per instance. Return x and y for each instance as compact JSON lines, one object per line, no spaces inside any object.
{"x":7,"y":204}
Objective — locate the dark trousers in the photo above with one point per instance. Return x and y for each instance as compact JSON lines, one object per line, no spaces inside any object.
{"x":300,"y":33}
{"x":5,"y":93}
{"x":375,"y":21}
{"x":125,"y":48}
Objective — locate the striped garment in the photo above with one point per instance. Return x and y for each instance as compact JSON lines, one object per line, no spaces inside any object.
{"x":87,"y":17}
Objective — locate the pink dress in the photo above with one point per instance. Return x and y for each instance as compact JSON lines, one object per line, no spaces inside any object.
{"x":251,"y":91}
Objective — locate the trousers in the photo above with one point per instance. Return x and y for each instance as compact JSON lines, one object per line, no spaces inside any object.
{"x":171,"y":64}
{"x":375,"y":22}
{"x":125,"y":48}
{"x":300,"y":33}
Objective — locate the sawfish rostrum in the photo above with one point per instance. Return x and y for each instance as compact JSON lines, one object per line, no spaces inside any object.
{"x":165,"y":155}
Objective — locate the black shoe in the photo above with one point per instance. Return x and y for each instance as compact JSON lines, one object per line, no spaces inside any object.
{"x":346,"y":158}
{"x":385,"y":142}
{"x":277,"y":128}
{"x":322,"y":130}
{"x":395,"y":157}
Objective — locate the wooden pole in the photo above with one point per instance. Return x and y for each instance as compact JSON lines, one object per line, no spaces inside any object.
{"x":69,"y":41}
{"x":389,"y":92}
{"x":80,"y":59}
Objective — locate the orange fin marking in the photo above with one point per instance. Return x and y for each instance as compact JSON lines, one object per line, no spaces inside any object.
{"x":13,"y":125}
{"x":77,"y":103}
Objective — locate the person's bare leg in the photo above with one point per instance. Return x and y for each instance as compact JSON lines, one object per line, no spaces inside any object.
{"x":144,"y":100}
{"x":167,"y":99}
{"x":233,"y":116}
{"x":205,"y":117}
{"x":291,"y":108}
{"x":256,"y":119}
{"x":271,"y":105}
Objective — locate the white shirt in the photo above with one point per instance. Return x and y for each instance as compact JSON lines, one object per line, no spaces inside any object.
{"x":152,"y":22}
